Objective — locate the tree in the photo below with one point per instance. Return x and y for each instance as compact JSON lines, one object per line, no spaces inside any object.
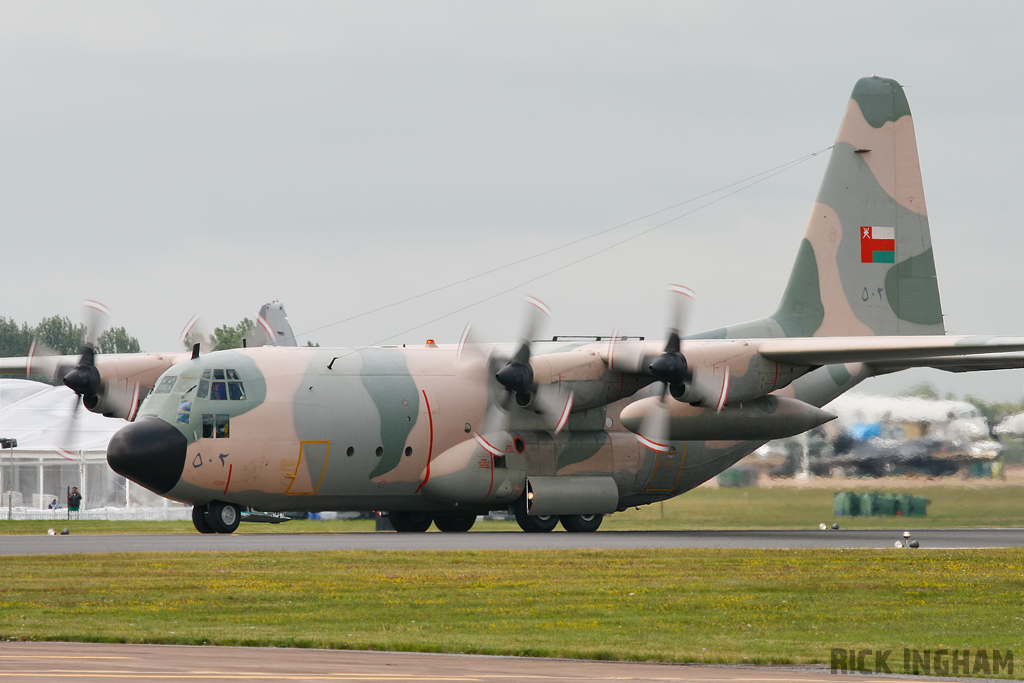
{"x":61,"y":335}
{"x":994,"y":411}
{"x":227,"y":337}
{"x":14,"y":341}
{"x":116,"y":340}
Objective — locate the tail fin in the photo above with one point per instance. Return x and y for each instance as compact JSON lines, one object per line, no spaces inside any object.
{"x":272,"y":328}
{"x":865,"y":264}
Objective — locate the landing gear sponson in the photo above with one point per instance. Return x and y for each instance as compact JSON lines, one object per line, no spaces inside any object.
{"x":413,"y":522}
{"x":218,"y":517}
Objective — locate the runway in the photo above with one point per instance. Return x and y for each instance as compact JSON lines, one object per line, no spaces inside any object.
{"x":508,"y":540}
{"x":24,"y":662}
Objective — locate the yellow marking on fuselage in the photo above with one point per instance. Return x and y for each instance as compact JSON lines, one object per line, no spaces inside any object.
{"x":679,"y":473}
{"x":311,"y":487}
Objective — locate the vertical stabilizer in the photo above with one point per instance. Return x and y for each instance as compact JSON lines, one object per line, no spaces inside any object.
{"x":272,"y":328}
{"x":865,"y":265}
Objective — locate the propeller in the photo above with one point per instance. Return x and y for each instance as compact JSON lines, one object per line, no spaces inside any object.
{"x":515,"y":377}
{"x":196,"y":332}
{"x":671,"y":370}
{"x":84,"y":379}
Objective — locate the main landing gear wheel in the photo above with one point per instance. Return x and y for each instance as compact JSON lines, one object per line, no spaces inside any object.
{"x":532,"y":524}
{"x":200,"y":521}
{"x":223,"y":517}
{"x":415,"y":522}
{"x":456,"y":523}
{"x":581,"y":523}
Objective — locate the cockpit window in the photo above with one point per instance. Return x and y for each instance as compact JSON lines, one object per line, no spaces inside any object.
{"x":166,"y":385}
{"x":235,"y":391}
{"x":219,"y":391}
{"x":223,"y":427}
{"x":232,"y":390}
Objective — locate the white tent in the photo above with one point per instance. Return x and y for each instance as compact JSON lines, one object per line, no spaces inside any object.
{"x":58,"y":447}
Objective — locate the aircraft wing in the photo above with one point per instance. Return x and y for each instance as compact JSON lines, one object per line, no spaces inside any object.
{"x":38,"y":365}
{"x":988,"y":361}
{"x":970,"y":353}
{"x":139,"y":367}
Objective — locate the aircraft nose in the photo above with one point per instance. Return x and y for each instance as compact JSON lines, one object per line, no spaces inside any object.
{"x":150,"y":452}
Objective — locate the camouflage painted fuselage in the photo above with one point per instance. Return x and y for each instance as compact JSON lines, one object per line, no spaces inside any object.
{"x":370,"y":431}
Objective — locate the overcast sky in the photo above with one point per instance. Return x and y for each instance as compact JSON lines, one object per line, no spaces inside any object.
{"x":168,"y":158}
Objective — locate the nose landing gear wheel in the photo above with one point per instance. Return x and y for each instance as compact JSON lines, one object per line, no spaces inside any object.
{"x":581,"y":523}
{"x":199,"y":520}
{"x":455,"y":523}
{"x":223,"y":517}
{"x":532,"y":524}
{"x":415,"y":522}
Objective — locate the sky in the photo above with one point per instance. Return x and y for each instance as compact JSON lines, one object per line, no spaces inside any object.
{"x":172,"y":158}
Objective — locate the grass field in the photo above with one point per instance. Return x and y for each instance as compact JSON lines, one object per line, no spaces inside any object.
{"x":702,"y":508}
{"x":752,"y":606}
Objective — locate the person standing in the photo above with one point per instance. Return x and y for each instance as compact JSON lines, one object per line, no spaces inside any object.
{"x":74,"y":501}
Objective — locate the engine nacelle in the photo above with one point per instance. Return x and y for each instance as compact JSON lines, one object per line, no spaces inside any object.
{"x":767,"y":417}
{"x":120,"y":398}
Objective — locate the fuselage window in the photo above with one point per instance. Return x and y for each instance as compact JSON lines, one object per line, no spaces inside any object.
{"x":218,"y":391}
{"x":166,"y":385}
{"x":204,"y":388}
{"x":207,"y":426}
{"x":184,"y":408}
{"x":232,"y":374}
{"x":223,"y":428}
{"x":206,"y":374}
{"x":218,"y":374}
{"x":235,"y":391}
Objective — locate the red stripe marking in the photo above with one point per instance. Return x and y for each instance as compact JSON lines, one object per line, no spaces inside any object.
{"x":725,"y":391}
{"x":491,"y":487}
{"x":62,"y":451}
{"x":776,"y":380}
{"x":486,"y":445}
{"x":430,"y":449}
{"x":267,"y":328}
{"x":226,"y":485}
{"x":188,"y":328}
{"x":565,"y":414}
{"x":31,"y":355}
{"x":135,"y":404}
{"x":653,"y":445}
{"x":97,"y":306}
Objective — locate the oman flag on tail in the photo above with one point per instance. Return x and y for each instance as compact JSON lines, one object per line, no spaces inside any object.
{"x":877,"y":245}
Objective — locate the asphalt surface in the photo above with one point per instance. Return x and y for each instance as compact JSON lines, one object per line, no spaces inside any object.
{"x":24,"y":662}
{"x":509,"y":540}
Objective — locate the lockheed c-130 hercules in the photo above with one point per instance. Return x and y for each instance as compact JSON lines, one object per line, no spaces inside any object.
{"x":569,"y":429}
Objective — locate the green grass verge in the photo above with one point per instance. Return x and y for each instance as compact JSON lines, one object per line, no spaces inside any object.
{"x":727,"y":606}
{"x":703,"y":508}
